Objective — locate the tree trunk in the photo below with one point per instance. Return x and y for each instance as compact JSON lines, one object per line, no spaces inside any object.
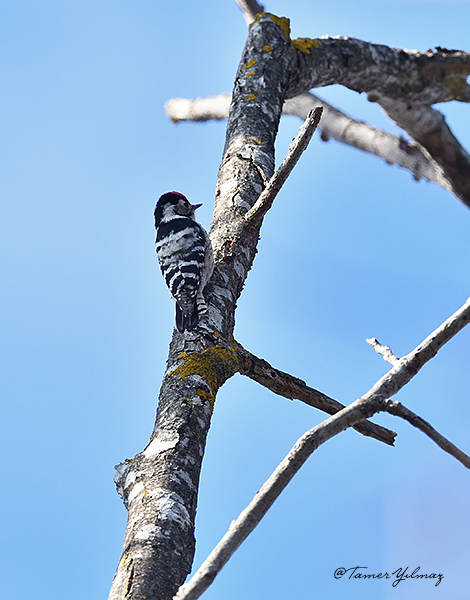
{"x":160,"y":485}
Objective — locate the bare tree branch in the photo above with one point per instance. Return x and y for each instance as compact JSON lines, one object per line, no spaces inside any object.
{"x":249,"y":8}
{"x":393,"y":149}
{"x":428,"y":127}
{"x":410,"y":364}
{"x":429,"y":77}
{"x":334,"y":124}
{"x":159,"y":485}
{"x":297,"y":147}
{"x":283,"y":474}
{"x":213,"y":108}
{"x":291,"y":387}
{"x":396,"y":408}
{"x":385,"y":351}
{"x":374,"y":68}
{"x":375,"y":400}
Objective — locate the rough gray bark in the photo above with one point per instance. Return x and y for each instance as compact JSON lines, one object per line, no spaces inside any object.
{"x":419,"y":77}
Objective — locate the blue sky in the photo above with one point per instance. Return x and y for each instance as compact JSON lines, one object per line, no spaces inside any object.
{"x":353,"y":248}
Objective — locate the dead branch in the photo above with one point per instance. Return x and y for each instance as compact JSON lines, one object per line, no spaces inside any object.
{"x":428,"y":127}
{"x":291,"y":387}
{"x":334,"y":124}
{"x":213,"y":108}
{"x":396,"y":408}
{"x":249,"y":8}
{"x":385,"y":351}
{"x":395,"y":150}
{"x":375,"y":400}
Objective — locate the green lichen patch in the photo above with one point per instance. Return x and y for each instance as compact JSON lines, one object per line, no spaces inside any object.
{"x":304,"y":44}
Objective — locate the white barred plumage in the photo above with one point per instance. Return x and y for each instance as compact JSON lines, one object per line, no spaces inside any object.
{"x":185,"y":255}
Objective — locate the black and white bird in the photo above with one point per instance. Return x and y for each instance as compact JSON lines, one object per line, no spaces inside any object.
{"x":185,"y":255}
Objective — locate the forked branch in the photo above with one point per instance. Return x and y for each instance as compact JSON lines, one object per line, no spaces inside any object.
{"x":375,"y":400}
{"x":288,"y":386}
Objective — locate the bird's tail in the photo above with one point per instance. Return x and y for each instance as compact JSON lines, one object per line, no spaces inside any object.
{"x":186,"y":320}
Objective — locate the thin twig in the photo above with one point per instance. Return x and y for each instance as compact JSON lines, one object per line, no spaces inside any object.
{"x":385,"y":351}
{"x":375,"y":400}
{"x":396,"y":408}
{"x":299,"y":144}
{"x":287,"y":385}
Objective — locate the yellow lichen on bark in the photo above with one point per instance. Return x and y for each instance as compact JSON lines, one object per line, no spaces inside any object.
{"x":304,"y":44}
{"x":206,"y":396}
{"x":283,"y":23}
{"x":214,"y":366}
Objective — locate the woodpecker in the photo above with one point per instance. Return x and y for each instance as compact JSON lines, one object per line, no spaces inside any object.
{"x":185,"y":255}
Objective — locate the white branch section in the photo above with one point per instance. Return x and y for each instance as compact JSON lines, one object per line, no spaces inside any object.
{"x":375,"y":400}
{"x":213,"y":108}
{"x":385,"y":351}
{"x":335,"y":124}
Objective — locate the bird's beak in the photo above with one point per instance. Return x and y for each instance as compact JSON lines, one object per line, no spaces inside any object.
{"x":194,"y":206}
